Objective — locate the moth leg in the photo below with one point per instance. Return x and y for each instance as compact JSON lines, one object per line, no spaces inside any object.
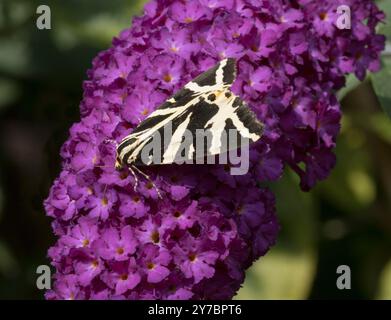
{"x":150,"y":180}
{"x":135,"y":178}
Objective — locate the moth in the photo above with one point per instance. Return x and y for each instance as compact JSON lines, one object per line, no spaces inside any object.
{"x":205,"y":103}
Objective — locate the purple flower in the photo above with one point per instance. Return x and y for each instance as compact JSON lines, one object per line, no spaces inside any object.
{"x":297,"y":43}
{"x":259,"y":80}
{"x":215,"y":4}
{"x":132,"y":205}
{"x":151,"y":231}
{"x":122,"y":277}
{"x":261,"y":44}
{"x":166,"y":69}
{"x":139,"y":104}
{"x":81,"y":235}
{"x":181,"y":216}
{"x":179,"y":43}
{"x":115,"y":242}
{"x":66,"y":288}
{"x":155,"y":262}
{"x":87,"y":269}
{"x":115,"y":245}
{"x":324,"y":22}
{"x":189,"y":13}
{"x":223,"y":49}
{"x":115,"y":66}
{"x":193,"y":261}
{"x":180,"y":294}
{"x":61,"y":202}
{"x":291,"y":18}
{"x":101,"y":202}
{"x":318,"y":164}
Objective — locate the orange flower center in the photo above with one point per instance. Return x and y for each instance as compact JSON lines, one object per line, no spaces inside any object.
{"x":167,"y":78}
{"x":95,"y":263}
{"x":254,"y":48}
{"x":155,"y":237}
{"x":149,"y":185}
{"x":192,"y":257}
{"x":150,"y":266}
{"x":123,"y":277}
{"x":323,"y":15}
{"x":105,"y":201}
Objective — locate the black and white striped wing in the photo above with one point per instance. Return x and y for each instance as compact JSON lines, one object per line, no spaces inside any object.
{"x":205,"y":103}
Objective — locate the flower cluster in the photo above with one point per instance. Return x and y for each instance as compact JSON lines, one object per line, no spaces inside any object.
{"x":196,"y":242}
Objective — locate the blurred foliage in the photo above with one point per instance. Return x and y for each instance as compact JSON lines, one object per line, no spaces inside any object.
{"x":41,"y":74}
{"x":381,"y":79}
{"x":344,"y":220}
{"x":385,"y":283}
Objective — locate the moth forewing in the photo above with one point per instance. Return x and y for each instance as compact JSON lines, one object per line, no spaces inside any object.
{"x":205,"y":103}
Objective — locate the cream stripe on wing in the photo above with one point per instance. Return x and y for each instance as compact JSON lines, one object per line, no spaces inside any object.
{"x":161,"y":124}
{"x":175,"y":141}
{"x":220,"y":72}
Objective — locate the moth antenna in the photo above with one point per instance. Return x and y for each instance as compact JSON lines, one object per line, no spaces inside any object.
{"x":135,"y":178}
{"x":150,"y":180}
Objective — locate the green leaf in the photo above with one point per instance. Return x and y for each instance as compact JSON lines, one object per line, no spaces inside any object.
{"x":384,"y":292}
{"x":386,"y":27}
{"x":287,"y":270}
{"x":279,"y":275}
{"x":98,"y":26}
{"x":14,"y":57}
{"x":381,"y":125}
{"x":351,"y":83}
{"x":381,"y":85}
{"x":9,"y":91}
{"x":8,"y":264}
{"x":381,"y":79}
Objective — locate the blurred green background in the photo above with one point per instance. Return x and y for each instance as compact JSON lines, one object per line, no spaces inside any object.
{"x":344,"y":220}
